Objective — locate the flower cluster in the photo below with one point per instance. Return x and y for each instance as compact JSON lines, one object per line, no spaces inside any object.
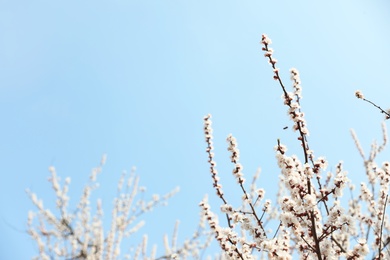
{"x":359,"y":94}
{"x":268,"y":54}
{"x":233,"y":149}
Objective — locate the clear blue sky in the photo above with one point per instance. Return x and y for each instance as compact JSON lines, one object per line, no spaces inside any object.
{"x":133,"y":79}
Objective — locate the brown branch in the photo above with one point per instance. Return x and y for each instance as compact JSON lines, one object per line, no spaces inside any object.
{"x":302,"y":138}
{"x":359,"y":95}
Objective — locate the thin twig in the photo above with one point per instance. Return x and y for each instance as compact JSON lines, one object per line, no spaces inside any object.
{"x":381,"y":233}
{"x":359,"y":95}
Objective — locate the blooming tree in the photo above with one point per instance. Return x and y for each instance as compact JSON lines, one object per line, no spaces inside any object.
{"x":80,"y":233}
{"x":315,"y":220}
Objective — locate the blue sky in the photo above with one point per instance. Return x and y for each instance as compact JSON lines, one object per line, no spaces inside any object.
{"x":133,"y":80}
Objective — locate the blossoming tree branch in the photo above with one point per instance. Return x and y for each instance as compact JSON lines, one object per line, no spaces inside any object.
{"x":314,"y":222}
